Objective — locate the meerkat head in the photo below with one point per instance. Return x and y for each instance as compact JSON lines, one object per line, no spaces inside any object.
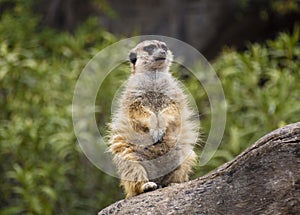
{"x":150,"y":55}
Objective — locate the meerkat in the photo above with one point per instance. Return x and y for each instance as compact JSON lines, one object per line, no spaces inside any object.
{"x":152,"y":135}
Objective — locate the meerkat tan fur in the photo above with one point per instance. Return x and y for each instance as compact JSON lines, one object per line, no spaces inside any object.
{"x":151,"y":133}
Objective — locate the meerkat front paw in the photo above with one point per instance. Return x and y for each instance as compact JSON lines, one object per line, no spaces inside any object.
{"x":157,"y":134}
{"x":149,"y":186}
{"x":157,"y":127}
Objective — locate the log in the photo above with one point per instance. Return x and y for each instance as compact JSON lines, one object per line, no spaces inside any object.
{"x":264,"y":179}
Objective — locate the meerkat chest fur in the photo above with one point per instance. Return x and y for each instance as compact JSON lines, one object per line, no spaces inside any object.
{"x":154,"y":90}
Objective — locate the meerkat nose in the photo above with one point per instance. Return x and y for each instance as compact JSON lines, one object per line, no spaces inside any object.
{"x":163,"y":53}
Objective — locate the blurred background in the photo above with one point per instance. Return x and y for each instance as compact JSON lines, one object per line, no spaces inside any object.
{"x":253,"y":46}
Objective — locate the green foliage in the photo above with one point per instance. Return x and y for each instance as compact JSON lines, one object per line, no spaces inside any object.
{"x":262,"y":93}
{"x":42,"y":169}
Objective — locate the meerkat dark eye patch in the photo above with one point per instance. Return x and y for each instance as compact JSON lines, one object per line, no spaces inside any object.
{"x":132,"y":57}
{"x":164,"y":47}
{"x":149,"y":49}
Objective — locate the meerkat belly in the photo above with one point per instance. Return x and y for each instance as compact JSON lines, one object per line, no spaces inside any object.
{"x":165,"y":152}
{"x":158,"y":160}
{"x":157,"y":150}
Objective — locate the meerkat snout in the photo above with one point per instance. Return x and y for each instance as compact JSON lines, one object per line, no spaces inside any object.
{"x":161,"y":55}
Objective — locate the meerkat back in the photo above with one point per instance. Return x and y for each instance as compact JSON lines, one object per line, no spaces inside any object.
{"x":152,"y":135}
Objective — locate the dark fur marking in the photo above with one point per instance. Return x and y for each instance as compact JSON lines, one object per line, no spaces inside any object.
{"x":164,"y":47}
{"x":150,"y":49}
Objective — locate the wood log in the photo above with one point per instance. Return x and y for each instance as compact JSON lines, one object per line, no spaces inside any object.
{"x":264,"y":179}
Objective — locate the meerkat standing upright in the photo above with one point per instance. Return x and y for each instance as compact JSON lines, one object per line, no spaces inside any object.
{"x":151,"y":133}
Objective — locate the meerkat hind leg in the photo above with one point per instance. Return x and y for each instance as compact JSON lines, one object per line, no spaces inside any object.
{"x":182,"y":173}
{"x":136,"y":188}
{"x":134,"y":178}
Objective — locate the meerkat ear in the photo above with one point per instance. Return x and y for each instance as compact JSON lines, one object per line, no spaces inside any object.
{"x":132,"y":57}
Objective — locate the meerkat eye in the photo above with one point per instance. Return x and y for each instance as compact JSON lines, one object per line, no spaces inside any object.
{"x":149,"y":49}
{"x":132,"y":57}
{"x":164,"y":47}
